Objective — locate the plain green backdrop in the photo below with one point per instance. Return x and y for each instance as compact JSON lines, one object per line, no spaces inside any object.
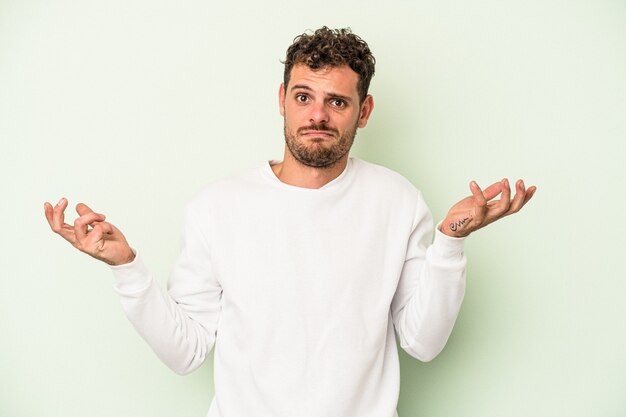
{"x":133,"y":106}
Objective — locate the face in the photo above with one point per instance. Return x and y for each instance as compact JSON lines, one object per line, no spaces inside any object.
{"x":322,"y":112}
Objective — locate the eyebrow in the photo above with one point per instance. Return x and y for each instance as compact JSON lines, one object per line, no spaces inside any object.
{"x":331,"y":94}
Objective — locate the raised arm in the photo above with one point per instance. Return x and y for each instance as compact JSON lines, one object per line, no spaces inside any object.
{"x":179,"y":324}
{"x":432,"y":284}
{"x":90,"y":233}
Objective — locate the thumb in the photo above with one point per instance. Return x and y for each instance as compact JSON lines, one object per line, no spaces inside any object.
{"x":83,"y":209}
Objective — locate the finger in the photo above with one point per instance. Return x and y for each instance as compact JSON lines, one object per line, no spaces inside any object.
{"x":505,"y":200}
{"x":493,"y":190}
{"x":47,"y":209}
{"x":81,"y":224}
{"x":58,"y":215}
{"x":100,"y":229}
{"x":83,"y":209}
{"x":520,"y":196}
{"x":529,"y":194}
{"x":56,"y":219}
{"x":477,"y":193}
{"x":479,"y":200}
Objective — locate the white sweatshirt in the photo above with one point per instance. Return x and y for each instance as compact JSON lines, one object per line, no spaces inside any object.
{"x":300,"y":291}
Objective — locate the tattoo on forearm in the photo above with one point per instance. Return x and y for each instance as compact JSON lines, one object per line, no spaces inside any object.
{"x":456,"y":226}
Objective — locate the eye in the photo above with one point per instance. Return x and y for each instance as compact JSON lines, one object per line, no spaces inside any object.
{"x":337,"y":102}
{"x":302,"y":98}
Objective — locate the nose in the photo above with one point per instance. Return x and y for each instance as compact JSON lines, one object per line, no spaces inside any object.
{"x":319,"y":114}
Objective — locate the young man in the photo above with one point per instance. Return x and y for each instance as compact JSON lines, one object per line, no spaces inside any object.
{"x":302,"y":272}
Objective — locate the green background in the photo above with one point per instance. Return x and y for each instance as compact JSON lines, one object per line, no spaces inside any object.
{"x":132,"y":107}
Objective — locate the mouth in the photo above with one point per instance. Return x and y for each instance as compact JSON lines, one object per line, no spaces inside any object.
{"x":318,"y":133}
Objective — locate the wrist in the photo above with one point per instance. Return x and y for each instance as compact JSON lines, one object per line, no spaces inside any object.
{"x":124,"y":259}
{"x":452,"y":229}
{"x":130,"y":257}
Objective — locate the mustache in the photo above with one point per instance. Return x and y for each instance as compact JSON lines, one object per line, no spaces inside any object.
{"x":320,"y":127}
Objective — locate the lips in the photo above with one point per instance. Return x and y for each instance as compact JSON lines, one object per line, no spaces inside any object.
{"x":318,"y":133}
{"x":317,"y":129}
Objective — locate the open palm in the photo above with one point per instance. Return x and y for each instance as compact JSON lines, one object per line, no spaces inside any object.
{"x":90,"y":233}
{"x":481,"y":208}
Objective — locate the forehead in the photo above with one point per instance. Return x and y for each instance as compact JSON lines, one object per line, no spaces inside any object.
{"x":340,"y":80}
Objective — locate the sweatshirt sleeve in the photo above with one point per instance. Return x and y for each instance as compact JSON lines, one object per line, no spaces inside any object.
{"x":179,"y":324}
{"x":431,"y":288}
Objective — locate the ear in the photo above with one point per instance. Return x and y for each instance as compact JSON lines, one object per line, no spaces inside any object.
{"x":366,"y":110}
{"x":281,"y":99}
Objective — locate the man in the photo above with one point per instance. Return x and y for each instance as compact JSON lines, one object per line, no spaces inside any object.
{"x":302,"y":272}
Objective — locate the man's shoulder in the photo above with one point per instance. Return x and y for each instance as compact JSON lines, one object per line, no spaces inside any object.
{"x":381,"y":176}
{"x":229,"y":186}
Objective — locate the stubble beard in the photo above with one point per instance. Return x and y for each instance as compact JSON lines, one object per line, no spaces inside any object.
{"x":315,"y":154}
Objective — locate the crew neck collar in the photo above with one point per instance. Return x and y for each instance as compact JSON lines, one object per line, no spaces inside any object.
{"x":335,"y":183}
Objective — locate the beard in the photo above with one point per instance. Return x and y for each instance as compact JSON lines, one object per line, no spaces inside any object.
{"x":316,"y":153}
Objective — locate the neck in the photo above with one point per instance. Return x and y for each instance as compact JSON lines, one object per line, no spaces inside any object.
{"x":293,"y":172}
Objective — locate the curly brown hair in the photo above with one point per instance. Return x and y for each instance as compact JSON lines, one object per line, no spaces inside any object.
{"x":332,"y":48}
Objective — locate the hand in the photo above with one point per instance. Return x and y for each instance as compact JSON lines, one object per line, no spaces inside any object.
{"x":479,"y":209}
{"x":90,"y":233}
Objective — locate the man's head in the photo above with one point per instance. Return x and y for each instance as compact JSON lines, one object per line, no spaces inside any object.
{"x":324,"y":96}
{"x":328,"y":48}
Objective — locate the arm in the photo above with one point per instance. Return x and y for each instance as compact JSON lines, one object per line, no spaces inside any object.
{"x":432,"y":283}
{"x":179,"y":324}
{"x":431,"y":288}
